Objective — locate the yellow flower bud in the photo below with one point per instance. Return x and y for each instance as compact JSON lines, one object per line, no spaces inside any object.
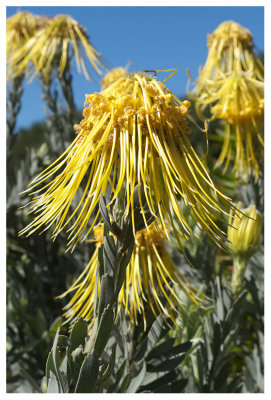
{"x":244,"y":231}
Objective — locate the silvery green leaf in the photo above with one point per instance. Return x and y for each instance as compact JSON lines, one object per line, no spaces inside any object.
{"x":52,"y":386}
{"x":138,"y":379}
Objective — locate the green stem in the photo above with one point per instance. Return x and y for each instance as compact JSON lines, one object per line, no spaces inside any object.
{"x":239,"y":267}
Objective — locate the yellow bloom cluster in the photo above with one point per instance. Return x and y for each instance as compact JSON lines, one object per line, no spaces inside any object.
{"x":44,"y":43}
{"x":135,"y":132}
{"x":150,"y":279}
{"x":231,"y":85}
{"x":244,"y":231}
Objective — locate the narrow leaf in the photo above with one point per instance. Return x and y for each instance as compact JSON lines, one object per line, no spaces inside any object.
{"x":104,"y":330}
{"x":106,"y":294}
{"x":111,"y":363}
{"x":137,"y":380}
{"x":52,"y":384}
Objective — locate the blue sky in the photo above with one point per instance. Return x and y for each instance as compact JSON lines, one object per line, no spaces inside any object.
{"x":148,"y":37}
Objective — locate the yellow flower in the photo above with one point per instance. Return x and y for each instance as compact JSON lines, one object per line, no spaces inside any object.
{"x":230,"y":49}
{"x":61,"y":37}
{"x":150,"y":279}
{"x":112,"y":76}
{"x":135,"y":132}
{"x":231,"y":85}
{"x":244,"y":233}
{"x":20,"y":28}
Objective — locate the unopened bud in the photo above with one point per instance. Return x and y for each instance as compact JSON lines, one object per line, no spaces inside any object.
{"x":244,"y":231}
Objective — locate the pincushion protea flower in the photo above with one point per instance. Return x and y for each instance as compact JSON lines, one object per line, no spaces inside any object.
{"x":53,"y":44}
{"x":20,"y":28}
{"x":135,"y":132}
{"x":231,"y":84}
{"x":230,"y":49}
{"x":149,"y":280}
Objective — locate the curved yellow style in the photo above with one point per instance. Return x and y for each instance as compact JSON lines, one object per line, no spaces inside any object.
{"x":231,"y":87}
{"x":50,"y":47}
{"x":151,"y":278}
{"x":135,"y":132}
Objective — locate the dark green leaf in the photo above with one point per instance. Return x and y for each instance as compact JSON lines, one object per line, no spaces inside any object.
{"x":88,"y":374}
{"x":109,"y":255}
{"x":104,"y":330}
{"x":112,"y":227}
{"x":125,"y":258}
{"x":161,"y":349}
{"x":127,"y":236}
{"x":166,"y":365}
{"x":178,"y":386}
{"x":106,"y":294}
{"x":111,"y":363}
{"x":78,"y":334}
{"x":121,"y":371}
{"x":168,"y":377}
{"x":181,"y":348}
{"x":125,"y":383}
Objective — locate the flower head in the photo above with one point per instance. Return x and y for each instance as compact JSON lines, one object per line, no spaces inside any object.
{"x":150,"y":279}
{"x":61,"y":37}
{"x":20,"y":28}
{"x":135,"y":132}
{"x":231,"y":86}
{"x":244,"y":231}
{"x":230,"y":49}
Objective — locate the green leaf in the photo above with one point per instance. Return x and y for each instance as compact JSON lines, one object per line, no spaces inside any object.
{"x":112,"y":227}
{"x":63,"y":341}
{"x":88,"y":374}
{"x":78,"y":334}
{"x":106,"y":294}
{"x":137,"y":380}
{"x":125,"y":258}
{"x":120,"y":371}
{"x":104,"y":330}
{"x":166,"y":365}
{"x":137,"y":195}
{"x":125,"y":383}
{"x":109,"y":255}
{"x":168,"y":377}
{"x":161,"y":349}
{"x":178,"y":386}
{"x":127,"y":236}
{"x":180,"y":348}
{"x":100,"y":266}
{"x":111,"y":363}
{"x":56,"y":359}
{"x":49,"y":366}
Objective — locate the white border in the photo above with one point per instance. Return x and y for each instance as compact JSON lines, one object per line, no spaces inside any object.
{"x":195,"y":3}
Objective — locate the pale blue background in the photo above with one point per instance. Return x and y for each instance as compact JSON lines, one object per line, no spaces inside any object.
{"x":150,"y":37}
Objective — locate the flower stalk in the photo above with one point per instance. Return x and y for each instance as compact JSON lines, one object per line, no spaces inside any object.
{"x":239,"y":268}
{"x":113,"y":257}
